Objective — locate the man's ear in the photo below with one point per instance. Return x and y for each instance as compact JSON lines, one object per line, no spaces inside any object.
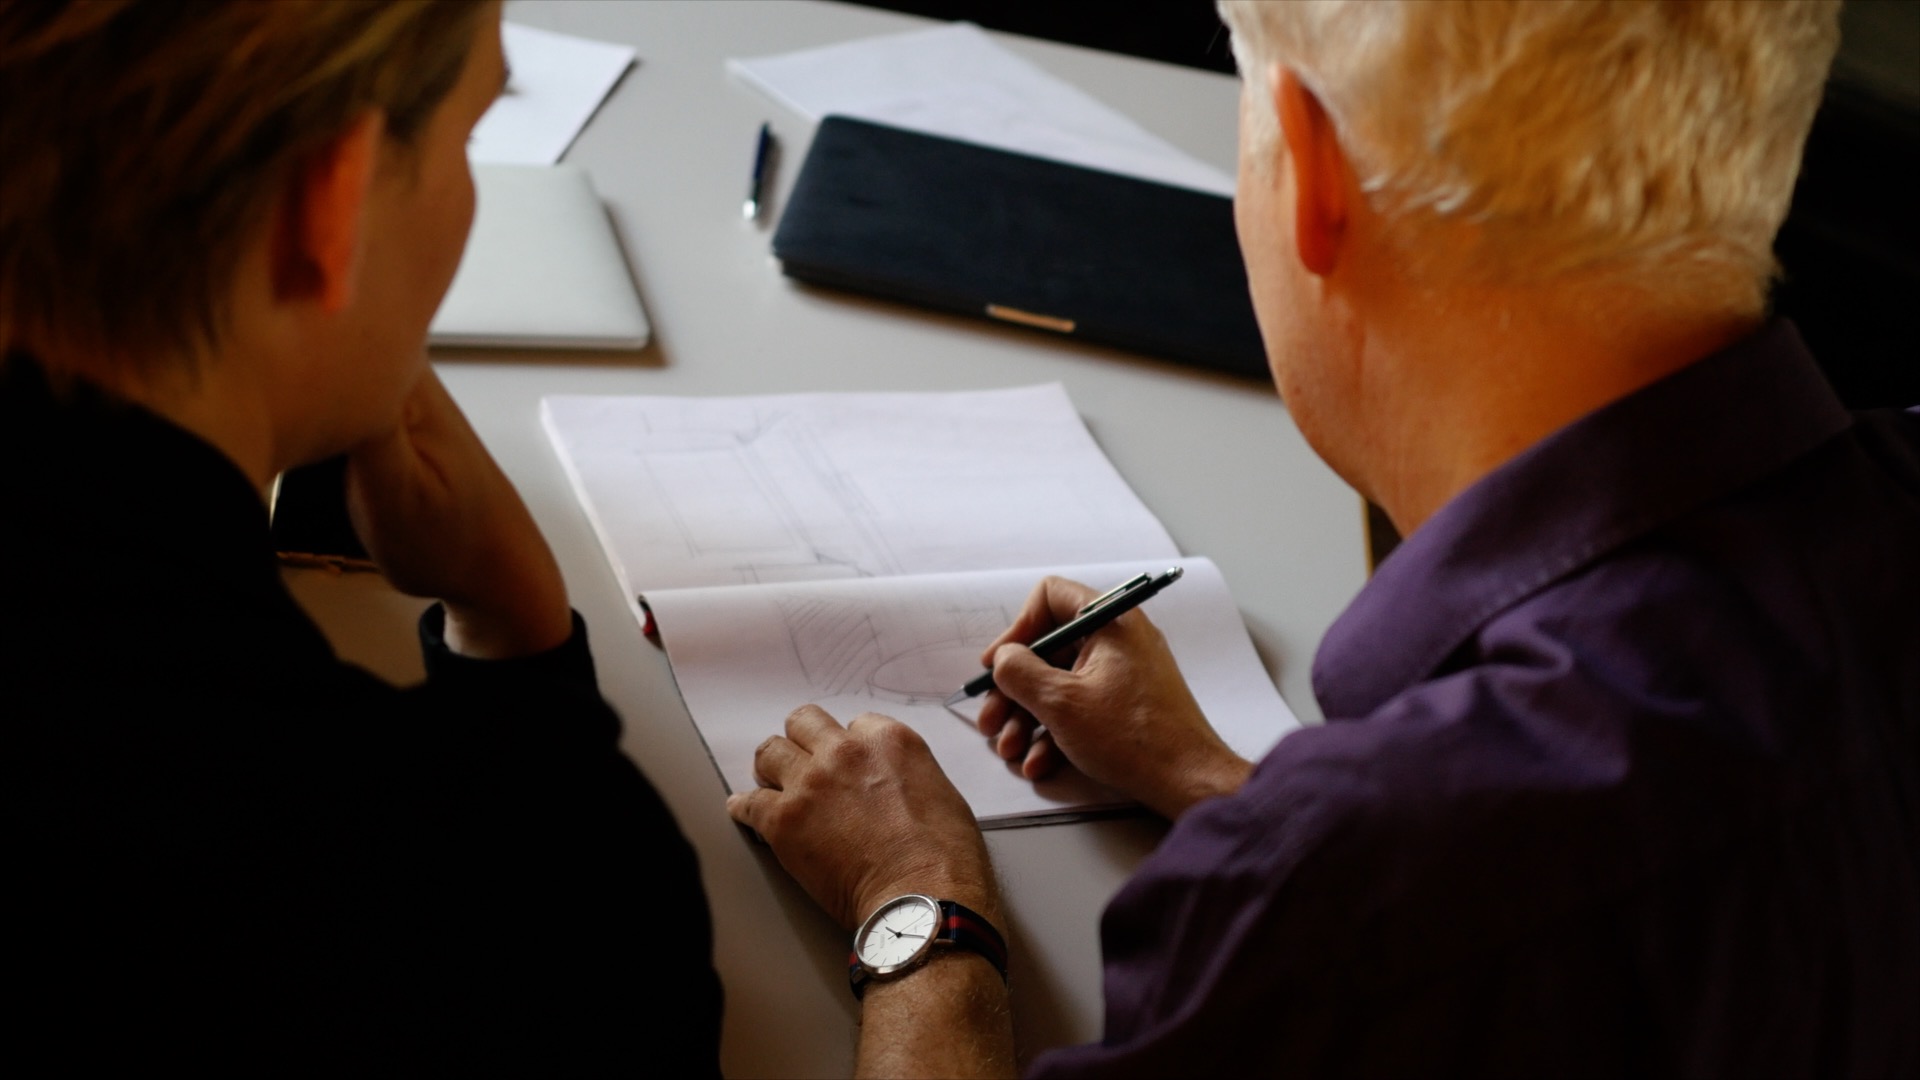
{"x":1320,"y":174}
{"x":321,"y":224}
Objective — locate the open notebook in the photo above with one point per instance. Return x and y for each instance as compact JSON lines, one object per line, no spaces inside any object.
{"x":858,"y":551}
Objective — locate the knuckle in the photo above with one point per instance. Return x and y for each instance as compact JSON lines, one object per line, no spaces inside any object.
{"x":845,"y":755}
{"x":896,"y":736}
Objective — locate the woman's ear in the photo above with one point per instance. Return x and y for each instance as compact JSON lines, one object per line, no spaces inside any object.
{"x":320,"y":226}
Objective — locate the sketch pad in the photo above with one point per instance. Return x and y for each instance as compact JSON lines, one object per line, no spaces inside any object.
{"x":830,"y":548}
{"x":1061,"y":248}
{"x":746,"y":657}
{"x":542,"y":268}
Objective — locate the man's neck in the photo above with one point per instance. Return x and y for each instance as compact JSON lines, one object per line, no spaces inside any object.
{"x":1482,"y":374}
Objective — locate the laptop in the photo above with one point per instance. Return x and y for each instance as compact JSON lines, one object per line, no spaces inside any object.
{"x":542,"y":268}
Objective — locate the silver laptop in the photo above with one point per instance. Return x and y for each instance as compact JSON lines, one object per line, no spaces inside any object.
{"x":542,"y":268}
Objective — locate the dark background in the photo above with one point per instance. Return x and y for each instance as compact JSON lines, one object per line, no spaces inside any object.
{"x":1850,"y":247}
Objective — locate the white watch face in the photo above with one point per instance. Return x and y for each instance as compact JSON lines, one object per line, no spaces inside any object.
{"x":898,"y":933}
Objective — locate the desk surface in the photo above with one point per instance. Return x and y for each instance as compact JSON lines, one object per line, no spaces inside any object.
{"x":1218,"y":460}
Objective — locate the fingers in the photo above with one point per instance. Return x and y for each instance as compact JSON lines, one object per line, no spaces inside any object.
{"x":1024,"y":740}
{"x":431,"y":394}
{"x":750,"y":808}
{"x":428,"y":408}
{"x":1005,"y":724}
{"x":1052,"y":602}
{"x":1015,"y":734}
{"x":995,"y":710}
{"x":1043,"y":758}
{"x":812,"y":728}
{"x":774,"y":760}
{"x":1028,"y":689}
{"x":432,"y":409}
{"x":1025,"y":679}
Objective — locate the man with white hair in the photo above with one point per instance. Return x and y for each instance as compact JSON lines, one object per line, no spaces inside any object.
{"x":1622,"y":767}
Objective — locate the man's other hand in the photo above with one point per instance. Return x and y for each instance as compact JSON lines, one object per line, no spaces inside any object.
{"x":442,"y":520}
{"x":1122,"y":714}
{"x":861,"y":814}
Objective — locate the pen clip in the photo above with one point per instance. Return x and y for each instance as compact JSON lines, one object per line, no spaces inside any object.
{"x":1113,"y":594}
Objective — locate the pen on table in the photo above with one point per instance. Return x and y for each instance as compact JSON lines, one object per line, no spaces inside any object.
{"x":762,"y":150}
{"x":1102,"y":610}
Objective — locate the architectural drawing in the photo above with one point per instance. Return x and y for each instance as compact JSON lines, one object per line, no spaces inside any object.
{"x":735,"y":499}
{"x":899,"y":652}
{"x":834,"y":640}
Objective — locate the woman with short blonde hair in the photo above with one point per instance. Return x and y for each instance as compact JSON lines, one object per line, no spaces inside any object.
{"x":224,"y":228}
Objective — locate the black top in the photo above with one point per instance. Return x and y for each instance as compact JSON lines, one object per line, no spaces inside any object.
{"x":229,"y":848}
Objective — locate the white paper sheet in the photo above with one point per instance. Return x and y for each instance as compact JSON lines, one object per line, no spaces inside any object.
{"x":800,"y":487}
{"x":955,"y":81}
{"x":556,"y":82}
{"x":747,"y":656}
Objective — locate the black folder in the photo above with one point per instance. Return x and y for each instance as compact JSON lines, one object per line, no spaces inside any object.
{"x":965,"y":228}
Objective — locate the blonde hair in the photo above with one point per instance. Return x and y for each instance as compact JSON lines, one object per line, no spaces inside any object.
{"x":1654,"y":139}
{"x":144,"y":141}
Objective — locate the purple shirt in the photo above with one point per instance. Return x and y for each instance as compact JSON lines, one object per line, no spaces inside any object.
{"x":1621,"y":775}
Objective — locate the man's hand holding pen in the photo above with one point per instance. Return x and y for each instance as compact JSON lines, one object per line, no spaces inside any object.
{"x":1121,"y":713}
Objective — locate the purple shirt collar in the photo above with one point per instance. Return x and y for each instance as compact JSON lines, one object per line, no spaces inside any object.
{"x":1596,"y":484}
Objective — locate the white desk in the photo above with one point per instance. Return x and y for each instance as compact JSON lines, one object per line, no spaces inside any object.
{"x":1218,"y":460}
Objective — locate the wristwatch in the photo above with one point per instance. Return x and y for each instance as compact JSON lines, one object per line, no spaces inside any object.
{"x":903,"y":933}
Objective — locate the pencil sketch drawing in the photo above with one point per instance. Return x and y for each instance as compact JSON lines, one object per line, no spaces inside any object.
{"x":735,"y":497}
{"x":905,"y":652}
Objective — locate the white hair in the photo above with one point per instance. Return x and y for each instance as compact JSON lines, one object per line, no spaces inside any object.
{"x":1639,"y":137}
